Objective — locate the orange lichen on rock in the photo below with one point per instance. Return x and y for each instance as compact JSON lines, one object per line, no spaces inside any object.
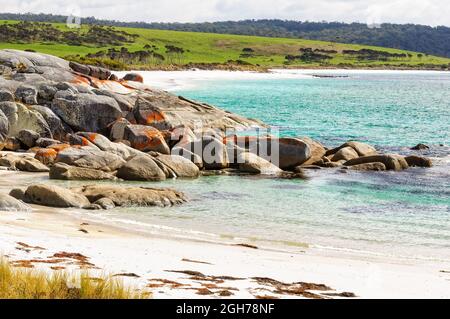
{"x":155,"y":117}
{"x":153,"y":138}
{"x":46,"y":155}
{"x":59,"y":147}
{"x":81,"y":80}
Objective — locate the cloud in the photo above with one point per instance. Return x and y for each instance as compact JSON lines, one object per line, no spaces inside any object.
{"x":431,"y":12}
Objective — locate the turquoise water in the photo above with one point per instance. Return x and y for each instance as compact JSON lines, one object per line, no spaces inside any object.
{"x":394,"y":214}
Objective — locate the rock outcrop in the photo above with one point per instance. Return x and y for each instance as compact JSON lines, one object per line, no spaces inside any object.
{"x":132,"y":196}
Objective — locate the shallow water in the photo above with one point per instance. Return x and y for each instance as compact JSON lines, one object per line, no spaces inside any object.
{"x":388,"y":213}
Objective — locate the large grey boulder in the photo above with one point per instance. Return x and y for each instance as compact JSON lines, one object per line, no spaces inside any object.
{"x":54,"y":196}
{"x":28,"y":137}
{"x":133,"y":196}
{"x":4,"y":125}
{"x":27,"y":94}
{"x":6,"y":96}
{"x":141,"y":168}
{"x":63,"y":171}
{"x":54,"y":122}
{"x":90,"y":158}
{"x":86,"y":112}
{"x":11,"y":204}
{"x":21,"y":117}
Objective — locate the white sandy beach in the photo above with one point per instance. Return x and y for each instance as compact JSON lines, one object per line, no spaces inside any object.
{"x":176,"y":80}
{"x":38,"y":235}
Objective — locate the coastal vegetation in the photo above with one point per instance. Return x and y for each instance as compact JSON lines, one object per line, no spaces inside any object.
{"x":412,"y":37}
{"x":24,"y":283}
{"x":122,"y":48}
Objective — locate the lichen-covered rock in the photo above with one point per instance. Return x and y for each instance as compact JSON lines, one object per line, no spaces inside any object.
{"x":135,"y":77}
{"x":54,"y":196}
{"x":133,"y":196}
{"x":86,"y":112}
{"x":28,"y":137}
{"x":90,"y":158}
{"x":27,"y":94}
{"x":106,"y":145}
{"x":21,"y":117}
{"x":63,"y":171}
{"x":46,"y":156}
{"x":141,"y":168}
{"x":146,"y":138}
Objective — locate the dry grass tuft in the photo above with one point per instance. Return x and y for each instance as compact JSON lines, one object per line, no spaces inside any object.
{"x":19,"y":283}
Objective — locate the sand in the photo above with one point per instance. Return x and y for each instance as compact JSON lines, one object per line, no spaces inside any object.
{"x":148,"y":262}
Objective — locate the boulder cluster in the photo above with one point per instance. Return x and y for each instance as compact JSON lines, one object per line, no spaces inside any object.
{"x":80,"y":122}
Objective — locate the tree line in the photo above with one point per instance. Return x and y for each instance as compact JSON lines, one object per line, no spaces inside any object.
{"x":412,"y":37}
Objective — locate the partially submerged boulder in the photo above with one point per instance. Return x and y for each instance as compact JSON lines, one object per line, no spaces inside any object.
{"x":132,"y":196}
{"x":54,"y":196}
{"x":392,"y":162}
{"x":419,"y":161}
{"x":369,"y":167}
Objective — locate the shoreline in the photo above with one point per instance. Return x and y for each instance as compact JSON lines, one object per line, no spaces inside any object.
{"x":110,"y":248}
{"x":188,"y":79}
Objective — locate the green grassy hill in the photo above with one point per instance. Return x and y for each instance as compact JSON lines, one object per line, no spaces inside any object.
{"x":132,"y":48}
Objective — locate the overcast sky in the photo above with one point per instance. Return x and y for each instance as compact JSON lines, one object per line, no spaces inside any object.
{"x":430,"y":12}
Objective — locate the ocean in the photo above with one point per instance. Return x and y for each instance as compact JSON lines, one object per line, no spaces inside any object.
{"x":402,"y":214}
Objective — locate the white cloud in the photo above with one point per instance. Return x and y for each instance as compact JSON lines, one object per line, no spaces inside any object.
{"x":431,"y":12}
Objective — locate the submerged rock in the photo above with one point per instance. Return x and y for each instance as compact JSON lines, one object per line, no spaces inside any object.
{"x":419,"y":161}
{"x":420,"y":147}
{"x":369,"y":167}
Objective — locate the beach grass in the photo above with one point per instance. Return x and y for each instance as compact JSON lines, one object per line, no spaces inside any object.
{"x":209,"y":48}
{"x":22,"y":283}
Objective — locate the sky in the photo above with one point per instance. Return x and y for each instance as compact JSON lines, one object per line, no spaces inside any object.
{"x":428,"y":12}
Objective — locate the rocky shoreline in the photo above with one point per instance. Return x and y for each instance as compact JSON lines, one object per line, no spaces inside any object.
{"x":80,"y":122}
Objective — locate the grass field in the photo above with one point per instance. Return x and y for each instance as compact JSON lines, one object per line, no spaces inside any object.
{"x":208,"y":48}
